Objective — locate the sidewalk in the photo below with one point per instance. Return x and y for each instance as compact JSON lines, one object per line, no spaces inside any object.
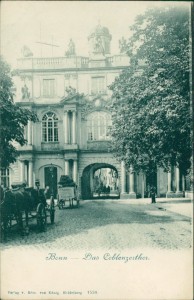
{"x":182,"y":206}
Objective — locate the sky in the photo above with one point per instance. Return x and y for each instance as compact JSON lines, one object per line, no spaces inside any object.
{"x":29,"y":22}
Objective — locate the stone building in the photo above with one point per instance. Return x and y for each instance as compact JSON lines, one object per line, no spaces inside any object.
{"x":70,"y":96}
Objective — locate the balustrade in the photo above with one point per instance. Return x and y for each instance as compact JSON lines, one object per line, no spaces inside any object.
{"x":53,"y":62}
{"x":71,"y":62}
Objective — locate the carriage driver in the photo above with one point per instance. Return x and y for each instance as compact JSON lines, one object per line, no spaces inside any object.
{"x":38,"y":194}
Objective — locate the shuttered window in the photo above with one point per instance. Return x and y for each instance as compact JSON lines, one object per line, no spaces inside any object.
{"x":48,"y":87}
{"x":97,"y":85}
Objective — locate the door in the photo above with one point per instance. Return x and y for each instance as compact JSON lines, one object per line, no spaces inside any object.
{"x":50,"y":176}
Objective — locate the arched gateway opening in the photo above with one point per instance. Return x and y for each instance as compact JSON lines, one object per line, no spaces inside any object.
{"x":100,"y":181}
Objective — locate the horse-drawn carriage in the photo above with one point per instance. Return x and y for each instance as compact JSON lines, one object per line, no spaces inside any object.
{"x":20,"y":204}
{"x":67,"y":192}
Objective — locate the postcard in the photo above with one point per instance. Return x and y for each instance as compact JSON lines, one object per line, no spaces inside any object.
{"x":98,"y":200}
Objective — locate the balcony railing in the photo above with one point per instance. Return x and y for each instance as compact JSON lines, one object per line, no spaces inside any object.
{"x":50,"y":146}
{"x":53,"y":63}
{"x":69,"y":62}
{"x":98,"y":145}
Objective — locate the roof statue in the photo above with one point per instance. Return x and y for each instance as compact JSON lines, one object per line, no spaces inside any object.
{"x":25,"y":92}
{"x":123,"y":45}
{"x":71,"y":49}
{"x":70,"y":91}
{"x":100,"y":30}
{"x":99,"y":40}
{"x":98,"y":47}
{"x":26,"y":52}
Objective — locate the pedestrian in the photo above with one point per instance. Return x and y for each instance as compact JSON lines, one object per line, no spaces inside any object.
{"x":108,"y":190}
{"x":153,"y":194}
{"x":47,"y":193}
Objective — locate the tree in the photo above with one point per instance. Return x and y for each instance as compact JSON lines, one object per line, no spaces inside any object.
{"x":13,"y":119}
{"x":151,"y":99}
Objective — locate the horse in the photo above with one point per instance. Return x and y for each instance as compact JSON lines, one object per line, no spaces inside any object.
{"x":13,"y":203}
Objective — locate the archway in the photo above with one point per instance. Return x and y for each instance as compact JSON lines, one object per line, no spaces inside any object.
{"x":100,"y":181}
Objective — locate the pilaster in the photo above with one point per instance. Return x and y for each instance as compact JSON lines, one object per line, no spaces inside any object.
{"x":66,"y":126}
{"x":75,"y":169}
{"x":67,"y":167}
{"x":74,"y":131}
{"x":22,"y":168}
{"x":30,"y":173}
{"x":29,"y":132}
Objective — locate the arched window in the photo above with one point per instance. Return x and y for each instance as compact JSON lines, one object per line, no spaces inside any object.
{"x":98,"y":125}
{"x":50,"y":127}
{"x":5,"y":177}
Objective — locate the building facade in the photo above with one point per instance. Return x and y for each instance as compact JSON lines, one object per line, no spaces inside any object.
{"x":71,"y":98}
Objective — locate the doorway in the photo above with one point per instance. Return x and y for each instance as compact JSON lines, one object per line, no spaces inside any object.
{"x":50,"y":179}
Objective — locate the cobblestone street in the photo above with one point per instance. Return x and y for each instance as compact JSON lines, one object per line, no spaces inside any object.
{"x":109,"y":224}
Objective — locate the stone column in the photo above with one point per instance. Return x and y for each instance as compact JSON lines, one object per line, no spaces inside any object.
{"x":29,"y":132}
{"x":179,"y":193}
{"x":177,"y":180}
{"x":169,"y":191}
{"x":123,"y":179}
{"x":66,"y":122}
{"x":132,"y":194}
{"x":30,"y":174}
{"x":22,"y":176}
{"x":183,"y":183}
{"x":74,"y":140}
{"x":66,"y":167}
{"x":169,"y":182}
{"x":143,"y":186}
{"x":75,"y":171}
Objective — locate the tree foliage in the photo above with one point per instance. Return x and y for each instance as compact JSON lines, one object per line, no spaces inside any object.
{"x":13,"y":119}
{"x":151,"y":99}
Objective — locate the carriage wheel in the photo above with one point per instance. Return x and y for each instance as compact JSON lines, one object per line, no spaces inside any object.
{"x":5,"y":218}
{"x":41,"y":217}
{"x":3,"y":233}
{"x":9,"y":222}
{"x":19,"y":221}
{"x":52,"y":211}
{"x":77,"y":200}
{"x":61,"y":204}
{"x":52,"y":216}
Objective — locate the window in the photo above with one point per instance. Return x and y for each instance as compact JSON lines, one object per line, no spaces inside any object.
{"x":97,"y":85}
{"x":5,"y":180}
{"x":48,"y":87}
{"x":50,"y":127}
{"x":98,"y":125}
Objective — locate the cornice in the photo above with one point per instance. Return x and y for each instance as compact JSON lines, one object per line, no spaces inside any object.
{"x":74,"y":69}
